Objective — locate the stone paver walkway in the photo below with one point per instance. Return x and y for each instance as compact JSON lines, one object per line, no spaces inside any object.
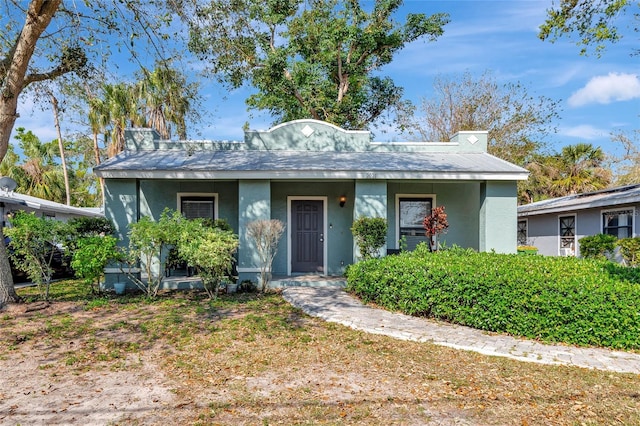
{"x":335,"y":305}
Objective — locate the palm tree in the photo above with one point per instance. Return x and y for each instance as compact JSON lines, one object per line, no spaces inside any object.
{"x":166,"y":98}
{"x":581,"y":170}
{"x":577,"y":168}
{"x":40,"y":175}
{"x":119,"y":109}
{"x":98,"y":121}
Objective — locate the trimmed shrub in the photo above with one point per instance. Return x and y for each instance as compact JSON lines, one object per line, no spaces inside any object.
{"x":630,"y":250}
{"x":600,"y":246}
{"x":88,"y":226}
{"x":563,"y":299}
{"x":370,"y":234}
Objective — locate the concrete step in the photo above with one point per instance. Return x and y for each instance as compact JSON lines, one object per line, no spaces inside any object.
{"x":308,"y":281}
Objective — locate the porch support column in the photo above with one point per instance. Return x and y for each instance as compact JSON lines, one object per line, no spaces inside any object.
{"x":370,"y":201}
{"x":498,"y":216}
{"x":254,"y":198}
{"x":122,"y":207}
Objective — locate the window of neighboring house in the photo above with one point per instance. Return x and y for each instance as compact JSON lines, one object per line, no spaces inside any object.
{"x":193,"y":207}
{"x":618,"y":223}
{"x":567,"y":234}
{"x":522,"y":232}
{"x":411,"y":214}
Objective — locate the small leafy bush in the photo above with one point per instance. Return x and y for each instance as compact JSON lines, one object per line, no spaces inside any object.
{"x":35,"y":245}
{"x":600,"y":246}
{"x":87,"y":226}
{"x":210,"y":250}
{"x":370,"y":234}
{"x":149,"y":244}
{"x":91,"y":256}
{"x":563,"y":299}
{"x":630,"y":250}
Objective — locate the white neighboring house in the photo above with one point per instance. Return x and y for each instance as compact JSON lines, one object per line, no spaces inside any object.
{"x":12,"y":201}
{"x":555,"y":226}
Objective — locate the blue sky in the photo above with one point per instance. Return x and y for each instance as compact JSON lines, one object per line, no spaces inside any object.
{"x":596,"y":95}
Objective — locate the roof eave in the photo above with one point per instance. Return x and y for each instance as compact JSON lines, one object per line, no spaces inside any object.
{"x":310,"y":175}
{"x":580,"y":206}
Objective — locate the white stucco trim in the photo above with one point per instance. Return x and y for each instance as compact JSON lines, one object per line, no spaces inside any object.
{"x":308,"y":175}
{"x":575,"y":233}
{"x":310,"y":121}
{"x":397,"y":210}
{"x":620,"y":209}
{"x":215,"y":196}
{"x":120,"y":271}
{"x":325,"y":220}
{"x":248,"y":269}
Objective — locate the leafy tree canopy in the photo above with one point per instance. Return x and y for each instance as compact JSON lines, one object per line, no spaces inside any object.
{"x":593,"y":22}
{"x":43,"y":40}
{"x":308,"y":59}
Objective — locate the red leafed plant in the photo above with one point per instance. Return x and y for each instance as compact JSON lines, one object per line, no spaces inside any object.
{"x":435,"y":224}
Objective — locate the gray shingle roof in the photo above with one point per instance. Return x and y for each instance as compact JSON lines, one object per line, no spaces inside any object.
{"x":607,"y":197}
{"x":308,"y":165}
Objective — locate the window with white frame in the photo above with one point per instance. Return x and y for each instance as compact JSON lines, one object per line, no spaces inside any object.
{"x":522,"y":232}
{"x":618,"y":223}
{"x":411,"y":214}
{"x":567,"y":234}
{"x":193,"y":206}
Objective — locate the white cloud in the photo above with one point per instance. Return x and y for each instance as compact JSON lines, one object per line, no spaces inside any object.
{"x":605,"y":89}
{"x":584,"y":131}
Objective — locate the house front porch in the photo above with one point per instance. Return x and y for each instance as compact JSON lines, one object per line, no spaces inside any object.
{"x":177,"y":281}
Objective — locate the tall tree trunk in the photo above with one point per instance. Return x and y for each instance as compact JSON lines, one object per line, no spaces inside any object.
{"x":96,"y":152}
{"x":56,"y":120}
{"x":13,"y":72}
{"x":7,"y":290}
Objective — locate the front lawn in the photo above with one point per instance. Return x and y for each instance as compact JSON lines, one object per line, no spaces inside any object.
{"x":254,"y":359}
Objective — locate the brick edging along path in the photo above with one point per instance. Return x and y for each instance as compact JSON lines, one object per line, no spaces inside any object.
{"x":333,"y":304}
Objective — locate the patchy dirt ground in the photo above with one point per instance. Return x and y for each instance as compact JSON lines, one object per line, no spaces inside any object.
{"x":259,"y":361}
{"x":50,"y":381}
{"x":41,"y":384}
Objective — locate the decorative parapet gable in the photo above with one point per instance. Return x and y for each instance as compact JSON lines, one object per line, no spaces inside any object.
{"x":466,"y":141}
{"x":305,"y":135}
{"x":140,"y":139}
{"x":144,"y":139}
{"x":308,"y":135}
{"x":472,"y":140}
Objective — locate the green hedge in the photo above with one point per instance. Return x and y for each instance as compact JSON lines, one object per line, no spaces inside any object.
{"x":560,"y":299}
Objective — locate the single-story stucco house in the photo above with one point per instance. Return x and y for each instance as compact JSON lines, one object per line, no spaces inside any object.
{"x":317,"y":178}
{"x":556,"y":225}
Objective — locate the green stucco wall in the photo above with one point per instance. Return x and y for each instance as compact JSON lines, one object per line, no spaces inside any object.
{"x":338,"y":237}
{"x":121,"y":205}
{"x":254,"y":199}
{"x":498,"y":217}
{"x":156,"y":195}
{"x":370,"y":201}
{"x":461,"y":202}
